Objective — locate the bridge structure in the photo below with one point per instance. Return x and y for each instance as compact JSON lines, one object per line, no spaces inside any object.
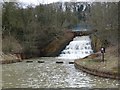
{"x":82,"y":30}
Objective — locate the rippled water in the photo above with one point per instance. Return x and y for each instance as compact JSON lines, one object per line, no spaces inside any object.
{"x":50,"y":75}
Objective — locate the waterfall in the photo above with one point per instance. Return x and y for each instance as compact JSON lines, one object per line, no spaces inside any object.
{"x":80,"y":47}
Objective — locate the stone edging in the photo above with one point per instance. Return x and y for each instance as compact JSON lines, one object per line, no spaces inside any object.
{"x":96,"y":72}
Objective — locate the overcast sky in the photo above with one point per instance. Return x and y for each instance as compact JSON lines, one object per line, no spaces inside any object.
{"x":36,"y":2}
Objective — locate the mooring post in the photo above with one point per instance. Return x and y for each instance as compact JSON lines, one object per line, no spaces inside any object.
{"x":102,"y":52}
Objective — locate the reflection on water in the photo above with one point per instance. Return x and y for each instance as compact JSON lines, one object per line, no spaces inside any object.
{"x":50,"y":75}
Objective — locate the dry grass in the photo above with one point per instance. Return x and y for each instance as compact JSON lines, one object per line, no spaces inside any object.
{"x":110,"y":64}
{"x":7,"y":57}
{"x":11,"y":45}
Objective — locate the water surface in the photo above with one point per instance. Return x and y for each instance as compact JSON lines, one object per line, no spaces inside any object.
{"x":50,"y":75}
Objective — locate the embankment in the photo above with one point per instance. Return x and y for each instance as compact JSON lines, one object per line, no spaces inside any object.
{"x":95,"y":66}
{"x":57,"y":45}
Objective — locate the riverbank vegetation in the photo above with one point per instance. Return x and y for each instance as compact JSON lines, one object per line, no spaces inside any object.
{"x":104,"y":18}
{"x":31,"y":30}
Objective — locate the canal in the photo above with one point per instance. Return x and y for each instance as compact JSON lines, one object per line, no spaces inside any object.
{"x":50,"y":74}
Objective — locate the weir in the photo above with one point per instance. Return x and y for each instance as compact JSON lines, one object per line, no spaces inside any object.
{"x":80,"y":47}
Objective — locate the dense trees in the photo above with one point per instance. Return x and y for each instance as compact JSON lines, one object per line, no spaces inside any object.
{"x":32,"y":28}
{"x":104,"y":17}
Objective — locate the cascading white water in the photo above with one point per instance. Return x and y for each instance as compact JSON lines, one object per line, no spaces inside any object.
{"x":80,"y":47}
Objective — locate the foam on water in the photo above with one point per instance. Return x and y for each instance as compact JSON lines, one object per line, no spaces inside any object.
{"x":80,"y":47}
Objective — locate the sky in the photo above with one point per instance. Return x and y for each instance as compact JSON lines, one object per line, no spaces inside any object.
{"x":36,"y":2}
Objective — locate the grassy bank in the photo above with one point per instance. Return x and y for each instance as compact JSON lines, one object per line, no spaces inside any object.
{"x":94,"y":62}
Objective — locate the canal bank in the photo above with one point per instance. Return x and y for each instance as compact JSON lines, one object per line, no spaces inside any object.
{"x":94,"y":65}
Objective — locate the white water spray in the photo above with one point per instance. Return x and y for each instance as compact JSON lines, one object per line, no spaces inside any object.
{"x":80,"y":47}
